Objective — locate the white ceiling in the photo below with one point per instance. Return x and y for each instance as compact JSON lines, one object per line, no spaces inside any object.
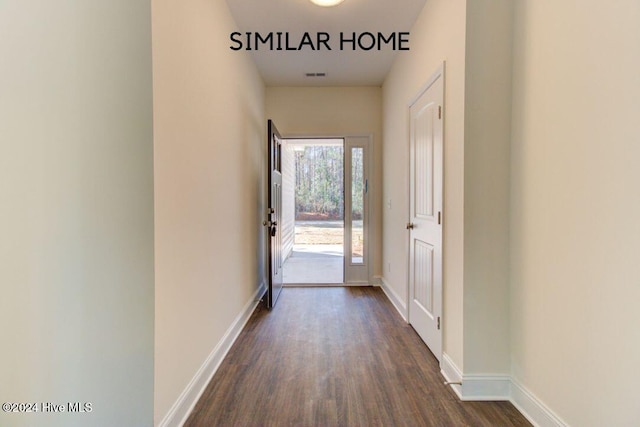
{"x":343,"y":68}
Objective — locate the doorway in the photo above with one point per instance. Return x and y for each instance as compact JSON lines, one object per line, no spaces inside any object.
{"x":313,"y":211}
{"x":325,"y":211}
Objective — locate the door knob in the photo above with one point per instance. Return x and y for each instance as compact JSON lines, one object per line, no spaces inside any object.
{"x":410,"y":226}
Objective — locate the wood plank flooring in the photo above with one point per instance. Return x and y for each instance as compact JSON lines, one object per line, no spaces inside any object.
{"x":336,"y":357}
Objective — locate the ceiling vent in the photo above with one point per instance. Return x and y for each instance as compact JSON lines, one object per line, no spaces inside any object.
{"x":315,"y":74}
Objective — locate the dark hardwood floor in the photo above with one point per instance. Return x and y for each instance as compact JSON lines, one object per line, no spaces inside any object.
{"x":336,"y":357}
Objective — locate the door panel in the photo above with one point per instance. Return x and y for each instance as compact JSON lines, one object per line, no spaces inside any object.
{"x":425,"y":222}
{"x":424,"y":161}
{"x":423,"y":276}
{"x":274,"y":221}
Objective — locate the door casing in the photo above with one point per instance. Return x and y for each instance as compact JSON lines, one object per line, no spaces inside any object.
{"x":358,"y":275}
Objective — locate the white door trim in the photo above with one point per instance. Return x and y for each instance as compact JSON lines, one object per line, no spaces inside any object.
{"x":351,"y":139}
{"x":439,"y":72}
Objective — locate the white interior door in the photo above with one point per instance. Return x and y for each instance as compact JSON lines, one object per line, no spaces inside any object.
{"x":425,"y":223}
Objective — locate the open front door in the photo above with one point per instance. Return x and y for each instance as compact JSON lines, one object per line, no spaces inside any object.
{"x":273,"y":222}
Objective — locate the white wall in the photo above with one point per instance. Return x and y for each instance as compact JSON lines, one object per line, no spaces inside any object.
{"x":437,"y":36}
{"x":210,"y":143}
{"x":76,"y":210}
{"x":575,"y":275}
{"x":474,"y":40}
{"x":487,"y":137}
{"x":550,"y":297}
{"x":335,"y":111}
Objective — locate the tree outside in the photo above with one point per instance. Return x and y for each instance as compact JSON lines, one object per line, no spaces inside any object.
{"x":319,"y":195}
{"x":319,"y":183}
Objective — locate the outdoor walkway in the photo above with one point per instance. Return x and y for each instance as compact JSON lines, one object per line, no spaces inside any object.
{"x":318,"y":254}
{"x":315,"y":264}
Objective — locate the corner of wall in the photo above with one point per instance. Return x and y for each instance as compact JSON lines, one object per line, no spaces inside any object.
{"x":534,"y":409}
{"x":487,"y":141}
{"x":473,"y":388}
{"x":452,"y":374}
{"x":395,"y":299}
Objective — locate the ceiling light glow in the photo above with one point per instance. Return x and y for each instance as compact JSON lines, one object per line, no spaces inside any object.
{"x":326,"y":3}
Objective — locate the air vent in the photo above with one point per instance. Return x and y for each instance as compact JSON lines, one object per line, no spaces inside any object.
{"x":315,"y":74}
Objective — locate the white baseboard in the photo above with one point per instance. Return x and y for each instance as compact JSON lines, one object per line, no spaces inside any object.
{"x":397,"y":302}
{"x":451,"y":373}
{"x":181,"y":409}
{"x":325,"y":285}
{"x":499,"y":387}
{"x":533,"y":408}
{"x":486,"y":387}
{"x":474,"y":387}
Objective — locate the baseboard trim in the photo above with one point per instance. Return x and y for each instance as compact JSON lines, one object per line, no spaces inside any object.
{"x":499,"y":387}
{"x":325,"y":285}
{"x":397,"y":302}
{"x":486,"y":387}
{"x":533,"y":408}
{"x":451,"y":374}
{"x":181,"y":409}
{"x":474,"y":387}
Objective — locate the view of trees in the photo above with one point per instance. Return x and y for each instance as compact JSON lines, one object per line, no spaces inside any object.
{"x":320,"y":183}
{"x":357,"y":183}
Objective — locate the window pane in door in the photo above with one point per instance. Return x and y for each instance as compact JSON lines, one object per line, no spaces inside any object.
{"x":357,"y":205}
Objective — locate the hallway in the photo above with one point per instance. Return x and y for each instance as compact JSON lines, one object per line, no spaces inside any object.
{"x":134,"y":177}
{"x":336,"y":356}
